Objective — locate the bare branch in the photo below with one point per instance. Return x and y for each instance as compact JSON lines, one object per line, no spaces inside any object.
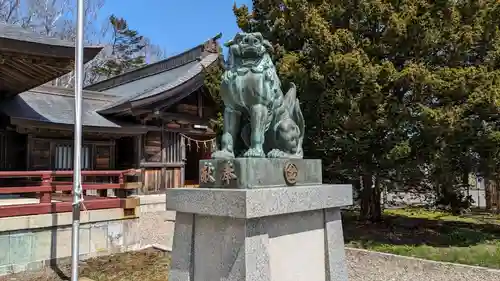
{"x":9,"y":11}
{"x":56,"y":18}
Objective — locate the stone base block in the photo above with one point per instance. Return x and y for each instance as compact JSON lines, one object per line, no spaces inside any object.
{"x":268,"y":234}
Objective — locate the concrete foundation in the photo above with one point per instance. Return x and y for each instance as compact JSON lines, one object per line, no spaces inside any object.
{"x":259,"y":234}
{"x":31,"y":242}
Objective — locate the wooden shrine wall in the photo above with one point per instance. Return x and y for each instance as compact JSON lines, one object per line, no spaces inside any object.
{"x":57,"y":154}
{"x":162,"y":161}
{"x":156,"y":180}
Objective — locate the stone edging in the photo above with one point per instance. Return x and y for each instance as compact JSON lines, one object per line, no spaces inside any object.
{"x":393,"y":256}
{"x":62,"y":219}
{"x":160,"y":247}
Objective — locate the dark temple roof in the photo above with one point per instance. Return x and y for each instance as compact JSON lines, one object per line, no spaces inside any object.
{"x":174,"y":77}
{"x":55,"y":105}
{"x":28,"y":59}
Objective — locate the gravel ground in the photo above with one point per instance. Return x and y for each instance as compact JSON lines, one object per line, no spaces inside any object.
{"x":157,"y":227}
{"x":371,"y":266}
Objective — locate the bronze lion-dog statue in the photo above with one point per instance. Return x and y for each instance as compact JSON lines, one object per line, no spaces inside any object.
{"x":270,"y":124}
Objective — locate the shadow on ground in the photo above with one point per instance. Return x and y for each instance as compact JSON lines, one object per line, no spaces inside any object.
{"x":403,"y":230}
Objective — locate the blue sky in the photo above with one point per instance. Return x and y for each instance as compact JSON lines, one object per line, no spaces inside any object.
{"x":177,"y":25}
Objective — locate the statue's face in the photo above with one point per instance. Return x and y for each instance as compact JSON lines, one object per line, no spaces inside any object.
{"x":249,"y":47}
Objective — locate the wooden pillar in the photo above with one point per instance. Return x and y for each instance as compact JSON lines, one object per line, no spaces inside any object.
{"x":29,"y":143}
{"x":138,"y":151}
{"x":138,"y":148}
{"x":141,"y":143}
{"x":121,"y":193}
{"x":183,"y":160}
{"x":112,"y":155}
{"x":46,"y":197}
{"x":163,"y":143}
{"x":200,"y":104}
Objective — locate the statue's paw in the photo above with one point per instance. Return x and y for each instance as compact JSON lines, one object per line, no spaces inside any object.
{"x":276,"y":153}
{"x":222,"y":154}
{"x":254,"y":153}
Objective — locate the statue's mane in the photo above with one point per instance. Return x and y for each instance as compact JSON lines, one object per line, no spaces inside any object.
{"x":234,"y":63}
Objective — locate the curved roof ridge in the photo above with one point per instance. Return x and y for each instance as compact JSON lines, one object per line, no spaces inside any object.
{"x":166,"y":64}
{"x":158,"y":89}
{"x":193,"y":71}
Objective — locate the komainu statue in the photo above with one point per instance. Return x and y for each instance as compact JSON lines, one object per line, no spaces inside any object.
{"x":268,"y":122}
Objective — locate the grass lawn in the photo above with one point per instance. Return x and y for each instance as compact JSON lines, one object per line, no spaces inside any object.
{"x":147,"y":265}
{"x":472,"y":239}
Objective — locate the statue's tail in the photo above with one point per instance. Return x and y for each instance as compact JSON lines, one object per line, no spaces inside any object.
{"x":293,"y":105}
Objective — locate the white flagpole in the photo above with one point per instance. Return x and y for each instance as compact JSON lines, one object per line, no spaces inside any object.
{"x":77,"y":148}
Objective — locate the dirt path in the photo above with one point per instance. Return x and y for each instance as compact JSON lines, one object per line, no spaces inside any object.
{"x":150,"y":265}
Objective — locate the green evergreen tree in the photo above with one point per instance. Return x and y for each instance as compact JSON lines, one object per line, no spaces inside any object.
{"x":126,"y":50}
{"x":213,"y":79}
{"x":395,"y":92}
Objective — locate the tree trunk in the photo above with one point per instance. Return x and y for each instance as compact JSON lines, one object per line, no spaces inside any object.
{"x":366,"y":183}
{"x":465,"y":182}
{"x":370,"y":199}
{"x":496,"y":193}
{"x":487,"y":193}
{"x":376,"y":201}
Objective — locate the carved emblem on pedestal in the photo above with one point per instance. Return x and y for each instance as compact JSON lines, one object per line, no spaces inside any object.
{"x":228,"y":173}
{"x":207,"y":173}
{"x":290,"y":172}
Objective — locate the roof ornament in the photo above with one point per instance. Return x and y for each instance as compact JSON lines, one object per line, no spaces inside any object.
{"x":211,"y":46}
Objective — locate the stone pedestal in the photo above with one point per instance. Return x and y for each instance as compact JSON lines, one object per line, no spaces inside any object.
{"x":282,"y":226}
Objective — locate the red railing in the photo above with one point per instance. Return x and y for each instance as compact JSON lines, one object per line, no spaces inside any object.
{"x":49,"y":188}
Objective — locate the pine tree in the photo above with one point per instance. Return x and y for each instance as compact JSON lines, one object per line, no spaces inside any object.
{"x":126,"y":50}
